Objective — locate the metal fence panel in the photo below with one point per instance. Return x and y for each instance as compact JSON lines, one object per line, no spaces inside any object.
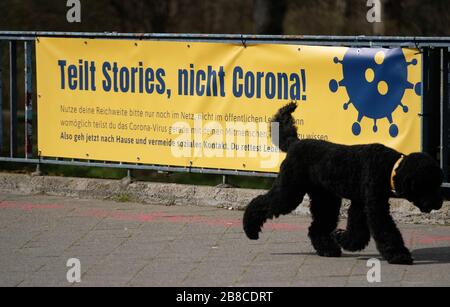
{"x":429,"y":45}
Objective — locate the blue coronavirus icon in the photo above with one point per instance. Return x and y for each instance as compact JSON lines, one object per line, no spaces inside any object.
{"x":376,"y":80}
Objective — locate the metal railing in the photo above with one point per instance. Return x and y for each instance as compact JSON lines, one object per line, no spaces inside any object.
{"x":436,"y":115}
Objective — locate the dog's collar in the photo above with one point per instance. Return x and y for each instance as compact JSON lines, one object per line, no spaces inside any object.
{"x":394,"y":172}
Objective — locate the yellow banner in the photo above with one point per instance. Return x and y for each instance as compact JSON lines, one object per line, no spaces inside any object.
{"x":209,"y":105}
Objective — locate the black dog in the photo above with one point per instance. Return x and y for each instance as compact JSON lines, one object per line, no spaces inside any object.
{"x":368,"y":175}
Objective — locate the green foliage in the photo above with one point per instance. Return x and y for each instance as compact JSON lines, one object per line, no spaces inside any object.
{"x":122,"y":198}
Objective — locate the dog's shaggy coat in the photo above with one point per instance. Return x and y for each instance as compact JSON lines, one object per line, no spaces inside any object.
{"x":328,"y":172}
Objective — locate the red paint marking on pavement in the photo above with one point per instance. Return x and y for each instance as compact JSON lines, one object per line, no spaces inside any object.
{"x":413,"y":238}
{"x":27,"y":206}
{"x":122,"y":216}
{"x":191,"y":219}
{"x":158,"y":216}
{"x":433,"y":239}
{"x":194,"y":219}
{"x":152,"y":217}
{"x":285,"y":226}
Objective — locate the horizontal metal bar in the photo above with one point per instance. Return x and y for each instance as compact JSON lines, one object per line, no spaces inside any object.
{"x":399,"y":41}
{"x":223,"y":36}
{"x":140,"y":167}
{"x":17,"y":38}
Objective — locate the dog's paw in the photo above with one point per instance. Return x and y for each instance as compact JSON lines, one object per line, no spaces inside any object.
{"x":348,"y":243}
{"x":401,"y":258}
{"x":252,"y":227}
{"x":252,"y":235}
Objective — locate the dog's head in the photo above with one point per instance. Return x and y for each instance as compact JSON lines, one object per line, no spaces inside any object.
{"x":418,"y":179}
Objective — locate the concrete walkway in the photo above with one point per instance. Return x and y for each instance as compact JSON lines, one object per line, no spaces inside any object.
{"x":129,"y":244}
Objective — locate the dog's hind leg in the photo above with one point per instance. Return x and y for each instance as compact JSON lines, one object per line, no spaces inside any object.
{"x":282,"y":198}
{"x":357,"y":235}
{"x":325,"y":213}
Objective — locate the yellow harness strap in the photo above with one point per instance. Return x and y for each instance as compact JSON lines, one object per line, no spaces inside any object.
{"x":394,"y":171}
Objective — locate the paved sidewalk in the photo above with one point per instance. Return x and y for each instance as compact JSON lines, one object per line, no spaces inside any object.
{"x":128,"y":244}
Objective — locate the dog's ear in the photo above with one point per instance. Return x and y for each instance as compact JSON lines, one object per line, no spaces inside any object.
{"x":405,"y":178}
{"x":404,"y":185}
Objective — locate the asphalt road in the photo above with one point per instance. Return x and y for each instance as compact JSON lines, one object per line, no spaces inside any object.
{"x":129,"y":244}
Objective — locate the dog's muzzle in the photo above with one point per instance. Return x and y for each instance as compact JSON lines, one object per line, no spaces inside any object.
{"x":430,"y":205}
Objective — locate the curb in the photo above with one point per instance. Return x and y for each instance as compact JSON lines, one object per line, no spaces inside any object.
{"x":169,"y":194}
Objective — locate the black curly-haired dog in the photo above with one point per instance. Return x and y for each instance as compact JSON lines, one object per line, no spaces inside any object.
{"x":368,"y":175}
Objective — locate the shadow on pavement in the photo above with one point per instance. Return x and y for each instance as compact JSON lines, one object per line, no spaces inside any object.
{"x":431,"y":255}
{"x":422,"y":256}
{"x":344,"y":255}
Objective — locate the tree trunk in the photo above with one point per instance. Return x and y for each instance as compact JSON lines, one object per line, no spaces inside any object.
{"x":142,"y":16}
{"x":269,"y":16}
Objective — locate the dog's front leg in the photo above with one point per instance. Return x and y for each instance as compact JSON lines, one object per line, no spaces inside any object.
{"x":284,"y":196}
{"x":387,"y":237}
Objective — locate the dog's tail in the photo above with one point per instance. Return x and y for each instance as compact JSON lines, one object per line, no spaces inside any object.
{"x":287,"y":129}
